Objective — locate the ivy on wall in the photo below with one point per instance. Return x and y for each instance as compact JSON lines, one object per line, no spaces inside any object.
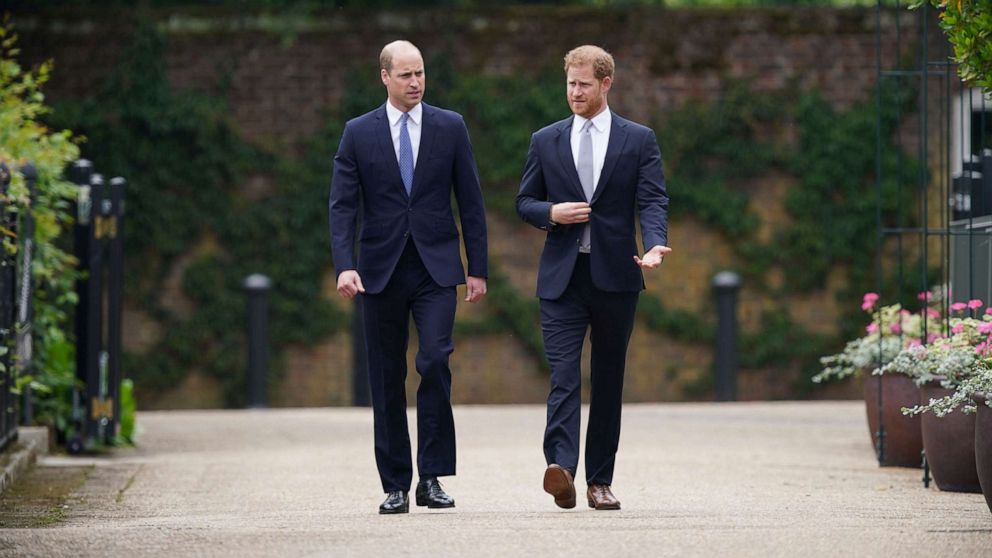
{"x":713,"y":149}
{"x":185,"y":163}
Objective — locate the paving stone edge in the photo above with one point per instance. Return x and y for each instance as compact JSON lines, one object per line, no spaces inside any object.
{"x":32,"y":442}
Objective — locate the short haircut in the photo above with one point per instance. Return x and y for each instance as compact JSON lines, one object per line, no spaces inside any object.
{"x":386,"y":56}
{"x":600,"y":60}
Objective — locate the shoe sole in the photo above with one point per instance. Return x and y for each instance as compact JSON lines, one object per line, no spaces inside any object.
{"x":604,"y":506}
{"x":404,"y":509}
{"x":556,"y":483}
{"x":422,"y":502}
{"x":437,"y":506}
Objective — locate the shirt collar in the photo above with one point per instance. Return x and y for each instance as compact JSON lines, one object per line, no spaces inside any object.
{"x":599,"y":122}
{"x":394,"y":114}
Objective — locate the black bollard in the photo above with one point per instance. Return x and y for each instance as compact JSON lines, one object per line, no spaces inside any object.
{"x":115,"y":297}
{"x":725,"y":285}
{"x":98,"y":407}
{"x":257,"y":287}
{"x":81,"y":173}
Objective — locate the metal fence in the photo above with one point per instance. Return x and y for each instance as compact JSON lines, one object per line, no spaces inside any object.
{"x":935,"y":231}
{"x":98,"y":245}
{"x":8,"y":274}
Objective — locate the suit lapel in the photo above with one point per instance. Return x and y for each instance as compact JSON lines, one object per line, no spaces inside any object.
{"x":618,"y":137}
{"x":428,"y":129}
{"x":567,"y":160}
{"x":385,"y":139}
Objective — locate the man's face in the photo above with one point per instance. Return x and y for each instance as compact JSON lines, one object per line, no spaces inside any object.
{"x":405,"y":82}
{"x":586,"y":94}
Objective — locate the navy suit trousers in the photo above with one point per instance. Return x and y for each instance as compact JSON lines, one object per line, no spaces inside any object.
{"x":411,"y":290}
{"x":609,"y":316}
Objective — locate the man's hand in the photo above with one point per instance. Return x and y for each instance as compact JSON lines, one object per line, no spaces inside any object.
{"x":476,"y":288}
{"x":350,"y":284}
{"x":568,"y":213}
{"x":653,"y":258}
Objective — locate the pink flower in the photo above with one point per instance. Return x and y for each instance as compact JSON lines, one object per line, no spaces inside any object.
{"x":931,"y":337}
{"x":868,"y":302}
{"x":988,"y":310}
{"x":958,"y":328}
{"x":980,"y":348}
{"x":925,"y":295}
{"x":958,"y":307}
{"x":913,"y":343}
{"x":872,"y":328}
{"x":984,"y":327}
{"x":975,"y":303}
{"x":931,"y":313}
{"x":895,"y":328}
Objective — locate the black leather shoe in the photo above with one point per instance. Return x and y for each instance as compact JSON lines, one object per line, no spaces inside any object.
{"x":430,"y":494}
{"x":396,"y":502}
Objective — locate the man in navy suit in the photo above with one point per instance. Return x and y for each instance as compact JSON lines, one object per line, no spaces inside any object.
{"x":584,"y":180}
{"x":396,"y":168}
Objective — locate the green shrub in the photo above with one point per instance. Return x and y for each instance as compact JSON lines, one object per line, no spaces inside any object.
{"x":24,"y":139}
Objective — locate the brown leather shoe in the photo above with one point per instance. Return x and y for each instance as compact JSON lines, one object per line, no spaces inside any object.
{"x":558,"y":483}
{"x":601,"y":498}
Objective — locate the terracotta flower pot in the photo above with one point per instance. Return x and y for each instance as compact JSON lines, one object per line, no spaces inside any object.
{"x":903,"y":439}
{"x":950,"y":445}
{"x":983,"y":448}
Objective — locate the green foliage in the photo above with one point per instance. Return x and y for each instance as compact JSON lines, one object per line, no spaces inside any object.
{"x":503,"y":112}
{"x":712,"y":150}
{"x":128,"y":418}
{"x":968,"y":25}
{"x":518,"y":314}
{"x":682,"y":325}
{"x":183,"y":156}
{"x":305,"y":6}
{"x":178,"y":150}
{"x":23,"y":139}
{"x":782,"y":343}
{"x":835,"y":205}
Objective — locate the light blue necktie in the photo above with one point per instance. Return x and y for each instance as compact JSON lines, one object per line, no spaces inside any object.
{"x":406,"y":154}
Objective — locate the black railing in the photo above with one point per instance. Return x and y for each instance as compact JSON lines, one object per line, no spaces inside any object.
{"x":100,"y":251}
{"x":940,"y":237}
{"x":8,"y":276}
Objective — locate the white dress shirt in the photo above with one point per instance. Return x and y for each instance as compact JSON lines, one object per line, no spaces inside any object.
{"x":412,"y":127}
{"x":600,"y":134}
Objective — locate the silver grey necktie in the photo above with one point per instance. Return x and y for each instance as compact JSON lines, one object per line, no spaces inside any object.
{"x":584,"y":167}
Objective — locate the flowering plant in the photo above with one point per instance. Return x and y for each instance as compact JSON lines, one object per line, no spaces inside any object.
{"x":891,"y":330}
{"x":961,"y":362}
{"x":979,"y":382}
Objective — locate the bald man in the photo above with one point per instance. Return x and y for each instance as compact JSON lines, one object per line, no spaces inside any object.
{"x":397,"y":168}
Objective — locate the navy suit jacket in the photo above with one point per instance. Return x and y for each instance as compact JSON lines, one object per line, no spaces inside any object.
{"x":631,"y":182}
{"x":366,"y":171}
